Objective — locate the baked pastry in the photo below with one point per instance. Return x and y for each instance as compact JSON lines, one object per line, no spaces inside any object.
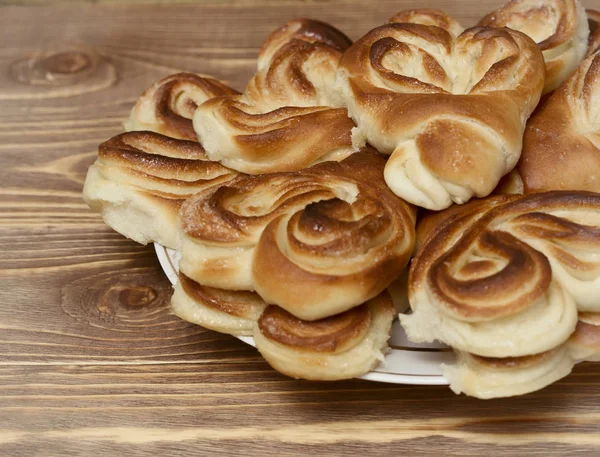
{"x":140,"y":179}
{"x":289,"y":116}
{"x":584,"y":343}
{"x":168,"y":105}
{"x":594,"y":25}
{"x":226,"y":311}
{"x":449,"y":112}
{"x":315,"y":242}
{"x":486,"y":377}
{"x":506,"y":277}
{"x":561,"y":147}
{"x":428,"y":16}
{"x":344,"y":346}
{"x":559,"y":27}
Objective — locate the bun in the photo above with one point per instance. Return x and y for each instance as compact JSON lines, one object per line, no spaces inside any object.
{"x":226,"y":311}
{"x":344,"y":346}
{"x":315,"y":242}
{"x":594,"y":38}
{"x":450,"y":113}
{"x":561,"y":148}
{"x":289,"y":117}
{"x":167,"y":107}
{"x":507,"y":277}
{"x":559,"y":27}
{"x":140,"y":180}
{"x":584,"y":343}
{"x":484,"y":377}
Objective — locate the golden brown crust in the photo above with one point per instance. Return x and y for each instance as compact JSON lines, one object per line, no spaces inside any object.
{"x":452,"y":130}
{"x":426,"y":16}
{"x":584,"y":343}
{"x":332,"y":235}
{"x":331,"y":334}
{"x":339,"y":347}
{"x":160,"y":165}
{"x":487,"y":263}
{"x":167,"y":107}
{"x":289,"y":116}
{"x":561,"y":148}
{"x":594,"y":24}
{"x":514,"y":363}
{"x":140,"y":180}
{"x":559,"y":27}
{"x":235,"y":303}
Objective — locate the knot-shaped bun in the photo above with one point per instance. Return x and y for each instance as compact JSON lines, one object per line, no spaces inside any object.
{"x":344,"y":346}
{"x":289,"y":116}
{"x":315,"y":242}
{"x":140,"y":179}
{"x":559,"y":27}
{"x":561,"y":147}
{"x":427,"y":16}
{"x":451,"y":112}
{"x":507,"y":277}
{"x":167,"y":107}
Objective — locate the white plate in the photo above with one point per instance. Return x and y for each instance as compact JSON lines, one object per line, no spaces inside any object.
{"x":406,"y":363}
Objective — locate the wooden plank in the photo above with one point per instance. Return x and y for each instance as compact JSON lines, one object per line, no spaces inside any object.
{"x":91,"y":359}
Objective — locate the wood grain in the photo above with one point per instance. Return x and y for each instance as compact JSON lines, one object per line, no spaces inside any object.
{"x":91,"y":360}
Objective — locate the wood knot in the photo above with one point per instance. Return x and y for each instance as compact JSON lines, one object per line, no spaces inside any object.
{"x":52,"y":72}
{"x":135,"y":296}
{"x":65,"y":63}
{"x":119,"y":301}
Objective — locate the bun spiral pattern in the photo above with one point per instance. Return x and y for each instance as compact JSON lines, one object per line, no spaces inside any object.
{"x":559,"y":27}
{"x":507,"y":277}
{"x":289,"y":116}
{"x":449,"y":112}
{"x":167,"y":107}
{"x":140,"y":179}
{"x":316,"y":242}
{"x":561,"y":148}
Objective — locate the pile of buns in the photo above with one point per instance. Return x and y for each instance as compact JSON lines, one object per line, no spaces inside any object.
{"x":466,"y":160}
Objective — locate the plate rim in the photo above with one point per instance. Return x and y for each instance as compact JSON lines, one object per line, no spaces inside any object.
{"x":378,"y":376}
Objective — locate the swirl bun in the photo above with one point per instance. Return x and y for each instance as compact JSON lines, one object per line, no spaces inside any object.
{"x":450,"y":112}
{"x":343,"y":346}
{"x":167,"y":107}
{"x":505,"y":278}
{"x":289,"y":116}
{"x":225,"y":311}
{"x":561,"y":147}
{"x":140,"y":180}
{"x":486,"y":377}
{"x":315,"y":242}
{"x":559,"y":27}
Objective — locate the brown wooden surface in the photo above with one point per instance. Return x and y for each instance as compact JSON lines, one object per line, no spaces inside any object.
{"x":92,"y":363}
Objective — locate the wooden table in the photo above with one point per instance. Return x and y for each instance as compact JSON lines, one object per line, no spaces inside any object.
{"x":92,"y":363}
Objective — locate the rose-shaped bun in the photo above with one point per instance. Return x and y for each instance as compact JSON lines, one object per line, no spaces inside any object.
{"x":315,"y":242}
